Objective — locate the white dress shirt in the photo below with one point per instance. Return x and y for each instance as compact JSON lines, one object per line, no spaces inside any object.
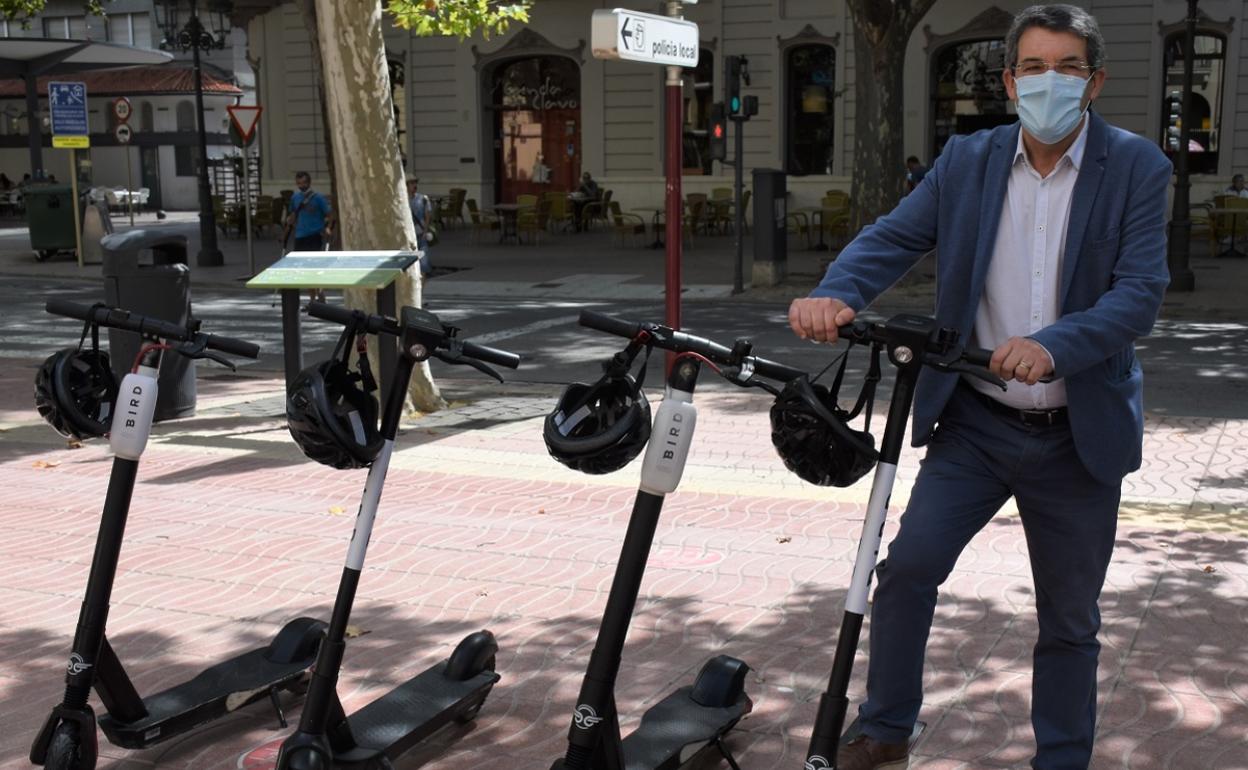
{"x":1024,"y":277}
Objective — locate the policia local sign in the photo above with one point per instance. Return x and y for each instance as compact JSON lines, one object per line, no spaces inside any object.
{"x":644,"y":37}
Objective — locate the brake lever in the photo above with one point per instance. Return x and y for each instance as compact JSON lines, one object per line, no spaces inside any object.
{"x":456,"y":359}
{"x":975,"y":371}
{"x":197,"y":348}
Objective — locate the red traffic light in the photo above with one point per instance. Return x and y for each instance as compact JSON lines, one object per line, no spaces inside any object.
{"x":718,"y":130}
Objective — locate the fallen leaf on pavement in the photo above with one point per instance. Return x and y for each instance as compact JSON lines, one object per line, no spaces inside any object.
{"x":784,"y":539}
{"x":337,"y":510}
{"x":73,"y":443}
{"x":45,"y":463}
{"x":1209,"y":569}
{"x":354,"y":631}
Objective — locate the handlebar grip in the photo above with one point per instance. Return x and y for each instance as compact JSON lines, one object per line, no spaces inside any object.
{"x":327,"y":312}
{"x":609,"y":324}
{"x":233,"y":346}
{"x":773,"y":370}
{"x":68,"y":309}
{"x":491,"y":355}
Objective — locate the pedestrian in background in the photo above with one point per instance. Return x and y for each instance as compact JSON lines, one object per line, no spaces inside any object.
{"x":422,"y":217}
{"x":309,"y":221}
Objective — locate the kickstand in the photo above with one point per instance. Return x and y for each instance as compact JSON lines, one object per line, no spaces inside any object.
{"x":277,"y":706}
{"x":726,"y":752}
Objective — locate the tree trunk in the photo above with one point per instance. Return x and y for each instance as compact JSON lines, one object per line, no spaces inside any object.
{"x":882,"y":30}
{"x":371,"y":203}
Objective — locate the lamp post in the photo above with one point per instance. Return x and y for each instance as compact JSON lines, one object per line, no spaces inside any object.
{"x":193,"y":37}
{"x":1180,"y":241}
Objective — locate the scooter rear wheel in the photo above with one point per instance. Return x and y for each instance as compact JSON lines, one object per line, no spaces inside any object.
{"x":65,"y":751}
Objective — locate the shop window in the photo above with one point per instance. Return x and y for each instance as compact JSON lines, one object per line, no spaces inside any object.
{"x":810,"y":77}
{"x":1205,"y":110}
{"x":185,"y":156}
{"x":968,"y":91}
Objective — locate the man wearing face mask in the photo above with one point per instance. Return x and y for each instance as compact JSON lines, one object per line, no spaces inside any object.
{"x":1051,"y":251}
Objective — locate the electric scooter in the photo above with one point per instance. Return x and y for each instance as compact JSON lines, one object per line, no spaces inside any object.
{"x":68,"y":739}
{"x":691,"y":720}
{"x":911,"y":342}
{"x":453,"y":689}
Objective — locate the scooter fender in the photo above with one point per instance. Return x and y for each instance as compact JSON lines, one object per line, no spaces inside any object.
{"x":670,"y":439}
{"x":132,"y":417}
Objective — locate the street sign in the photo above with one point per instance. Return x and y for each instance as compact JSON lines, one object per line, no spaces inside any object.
{"x":67,"y":103}
{"x":335,"y":270}
{"x":124,"y":133}
{"x":122,"y":109}
{"x":644,"y":37}
{"x":245,"y":118}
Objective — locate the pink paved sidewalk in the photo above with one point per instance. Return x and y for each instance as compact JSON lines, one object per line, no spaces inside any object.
{"x":232,"y":533}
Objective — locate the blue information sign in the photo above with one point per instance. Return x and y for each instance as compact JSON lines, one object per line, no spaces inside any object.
{"x":68,"y":104}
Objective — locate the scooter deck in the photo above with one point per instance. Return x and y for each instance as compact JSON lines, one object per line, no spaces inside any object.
{"x":213,"y":693}
{"x":409,"y":713}
{"x":677,"y":728}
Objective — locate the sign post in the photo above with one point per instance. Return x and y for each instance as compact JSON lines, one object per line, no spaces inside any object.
{"x":671,"y":41}
{"x":68,"y":104}
{"x":245,"y":118}
{"x":123,"y":132}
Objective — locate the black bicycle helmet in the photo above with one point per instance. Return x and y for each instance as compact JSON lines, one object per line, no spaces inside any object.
{"x":811,"y":432}
{"x":74,"y":391}
{"x":331,"y":411}
{"x":600,"y":428}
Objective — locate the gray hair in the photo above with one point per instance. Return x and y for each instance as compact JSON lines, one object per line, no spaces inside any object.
{"x":1059,"y":18}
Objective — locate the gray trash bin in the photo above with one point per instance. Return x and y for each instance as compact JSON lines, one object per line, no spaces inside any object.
{"x":160,"y":288}
{"x":770,"y":229}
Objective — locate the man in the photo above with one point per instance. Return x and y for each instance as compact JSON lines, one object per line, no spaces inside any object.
{"x":1237,"y":187}
{"x":1051,"y":249}
{"x":915,"y":171}
{"x":308,"y":219}
{"x":589,"y":188}
{"x":422,"y":213}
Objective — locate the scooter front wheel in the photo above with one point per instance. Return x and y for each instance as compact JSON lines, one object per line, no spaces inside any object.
{"x":304,"y":758}
{"x":65,"y":751}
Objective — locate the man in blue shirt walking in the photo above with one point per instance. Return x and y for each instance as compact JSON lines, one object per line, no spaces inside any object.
{"x":309,"y":216}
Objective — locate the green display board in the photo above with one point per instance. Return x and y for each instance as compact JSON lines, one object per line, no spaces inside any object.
{"x":335,"y":270}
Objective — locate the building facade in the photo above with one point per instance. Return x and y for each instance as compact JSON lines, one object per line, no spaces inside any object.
{"x":530,"y":110}
{"x":163,"y":153}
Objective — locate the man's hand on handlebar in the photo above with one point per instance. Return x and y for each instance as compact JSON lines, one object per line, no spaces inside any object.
{"x":818,"y":318}
{"x":1021,"y":359}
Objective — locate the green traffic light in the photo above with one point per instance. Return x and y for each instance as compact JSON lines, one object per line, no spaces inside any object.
{"x":736,"y":104}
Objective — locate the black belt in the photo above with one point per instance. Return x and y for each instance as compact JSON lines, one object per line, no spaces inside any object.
{"x":1032,"y":418}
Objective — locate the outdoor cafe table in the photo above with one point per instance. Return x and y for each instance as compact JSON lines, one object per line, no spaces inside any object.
{"x":658,"y":212}
{"x":377,"y":270}
{"x":1239,"y":228}
{"x":814,"y":212}
{"x":508,"y":213}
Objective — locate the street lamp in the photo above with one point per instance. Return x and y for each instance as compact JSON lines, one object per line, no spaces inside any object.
{"x":1181,"y":276}
{"x":194,"y":36}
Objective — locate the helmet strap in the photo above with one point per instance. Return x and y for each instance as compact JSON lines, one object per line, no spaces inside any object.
{"x":622,"y":362}
{"x":342,"y":351}
{"x":366,"y":371}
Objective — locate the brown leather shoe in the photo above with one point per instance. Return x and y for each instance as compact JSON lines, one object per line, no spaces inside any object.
{"x":863,"y":753}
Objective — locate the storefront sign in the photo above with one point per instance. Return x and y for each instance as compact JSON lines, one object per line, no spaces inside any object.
{"x":644,"y":37}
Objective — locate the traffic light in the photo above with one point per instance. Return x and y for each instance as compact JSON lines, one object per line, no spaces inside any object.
{"x":718,"y":132}
{"x":749,"y":106}
{"x":732,"y":84}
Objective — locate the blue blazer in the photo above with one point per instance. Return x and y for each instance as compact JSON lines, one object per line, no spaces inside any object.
{"x":1114,"y":275}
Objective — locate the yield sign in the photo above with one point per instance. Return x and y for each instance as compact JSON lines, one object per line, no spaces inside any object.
{"x":245,"y":118}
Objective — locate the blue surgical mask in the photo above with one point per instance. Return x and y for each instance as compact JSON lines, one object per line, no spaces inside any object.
{"x":1050,"y":105}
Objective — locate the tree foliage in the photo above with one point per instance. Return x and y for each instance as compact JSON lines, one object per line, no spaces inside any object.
{"x":24,"y":10}
{"x":460,"y":18}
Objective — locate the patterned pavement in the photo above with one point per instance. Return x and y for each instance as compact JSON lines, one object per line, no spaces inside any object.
{"x":232,"y":532}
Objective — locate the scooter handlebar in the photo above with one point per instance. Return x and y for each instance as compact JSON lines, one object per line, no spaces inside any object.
{"x":491,"y":355}
{"x":116,"y":318}
{"x":683,"y":342}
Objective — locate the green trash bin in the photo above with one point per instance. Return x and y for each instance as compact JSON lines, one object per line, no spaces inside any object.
{"x":50,"y":217}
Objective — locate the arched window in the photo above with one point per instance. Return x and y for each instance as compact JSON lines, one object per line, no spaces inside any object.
{"x":698,"y":93}
{"x":1205,"y":111}
{"x":185,"y":156}
{"x":968,"y":93}
{"x":810,"y":86}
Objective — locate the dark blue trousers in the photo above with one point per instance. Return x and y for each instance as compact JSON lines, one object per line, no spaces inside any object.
{"x":977,"y":460}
